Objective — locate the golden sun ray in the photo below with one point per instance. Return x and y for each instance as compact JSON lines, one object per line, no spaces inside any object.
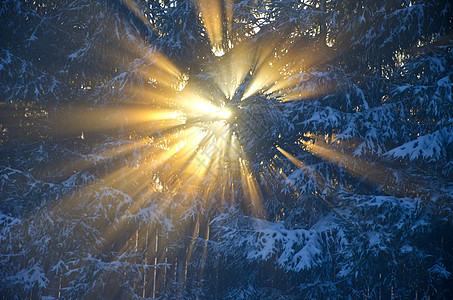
{"x":187,"y":123}
{"x":210,"y":12}
{"x":385,"y":177}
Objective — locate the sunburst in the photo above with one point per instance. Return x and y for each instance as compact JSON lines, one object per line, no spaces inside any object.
{"x":194,"y":125}
{"x":180,"y":134}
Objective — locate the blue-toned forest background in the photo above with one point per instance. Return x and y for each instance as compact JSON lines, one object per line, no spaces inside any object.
{"x":354,"y":173}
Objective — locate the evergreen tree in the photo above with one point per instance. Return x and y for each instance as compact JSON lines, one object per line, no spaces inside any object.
{"x":332,"y":178}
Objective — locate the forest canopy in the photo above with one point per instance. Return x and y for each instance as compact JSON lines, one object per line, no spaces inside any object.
{"x":226,"y":149}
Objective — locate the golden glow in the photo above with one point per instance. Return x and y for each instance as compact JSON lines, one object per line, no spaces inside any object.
{"x":229,"y":8}
{"x":224,"y":113}
{"x":210,"y":12}
{"x":354,"y":165}
{"x":204,"y":107}
{"x":178,"y":149}
{"x":232,"y":69}
{"x":377,"y":175}
{"x":251,"y":189}
{"x":181,"y":125}
{"x":293,"y":159}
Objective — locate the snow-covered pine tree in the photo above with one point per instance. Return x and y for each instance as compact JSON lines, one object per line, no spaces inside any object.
{"x":344,"y":116}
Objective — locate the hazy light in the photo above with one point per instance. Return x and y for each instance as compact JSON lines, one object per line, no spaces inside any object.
{"x":298,"y":163}
{"x":205,"y":107}
{"x":210,"y":12}
{"x":224,"y":113}
{"x":190,"y":147}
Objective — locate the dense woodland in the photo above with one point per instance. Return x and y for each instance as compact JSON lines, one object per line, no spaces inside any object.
{"x":332,"y":179}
